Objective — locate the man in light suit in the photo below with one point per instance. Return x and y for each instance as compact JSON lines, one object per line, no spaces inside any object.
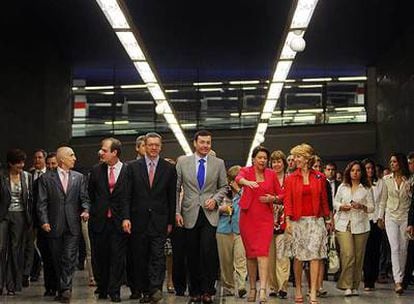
{"x":202,"y":178}
{"x":62,"y":202}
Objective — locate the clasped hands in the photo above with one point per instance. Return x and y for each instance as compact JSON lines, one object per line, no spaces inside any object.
{"x":353,"y":205}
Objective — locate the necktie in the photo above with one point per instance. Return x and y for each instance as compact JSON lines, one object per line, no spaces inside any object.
{"x":111,"y":179}
{"x":151,"y":173}
{"x":65,"y":181}
{"x":38,"y":174}
{"x":111,"y":183}
{"x":201,"y":172}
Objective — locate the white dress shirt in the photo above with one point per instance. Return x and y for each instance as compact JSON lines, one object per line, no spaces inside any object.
{"x":356,"y":218}
{"x":377,"y":190}
{"x":117,"y":170}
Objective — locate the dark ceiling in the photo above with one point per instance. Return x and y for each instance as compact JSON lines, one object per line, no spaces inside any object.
{"x":211,"y":40}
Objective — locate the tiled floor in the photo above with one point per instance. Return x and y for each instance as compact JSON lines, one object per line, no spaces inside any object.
{"x":84,"y":295}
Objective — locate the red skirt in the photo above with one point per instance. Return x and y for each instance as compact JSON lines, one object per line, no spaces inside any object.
{"x":256,"y":229}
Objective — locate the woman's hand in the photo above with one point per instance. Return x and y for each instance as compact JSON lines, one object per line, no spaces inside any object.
{"x":250,"y":184}
{"x":288,"y":227}
{"x":266,"y":198}
{"x":358,"y":206}
{"x":346,"y":207}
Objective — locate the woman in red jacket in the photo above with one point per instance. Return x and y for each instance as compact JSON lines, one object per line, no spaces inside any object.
{"x":260,"y":188}
{"x":306,"y":212}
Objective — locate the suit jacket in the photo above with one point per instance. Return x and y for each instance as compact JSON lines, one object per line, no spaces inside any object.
{"x":27,"y":195}
{"x":215,"y":186}
{"x":58,"y":208}
{"x":102,"y":199}
{"x":329,"y":192}
{"x":294,"y":191}
{"x":250,"y":194}
{"x":151,"y":207}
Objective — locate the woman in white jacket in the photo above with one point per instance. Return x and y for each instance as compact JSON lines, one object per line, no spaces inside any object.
{"x":394,"y":208}
{"x":353,"y":202}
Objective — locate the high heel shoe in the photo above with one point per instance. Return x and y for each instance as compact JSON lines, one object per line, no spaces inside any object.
{"x":262,"y":296}
{"x":252,"y":295}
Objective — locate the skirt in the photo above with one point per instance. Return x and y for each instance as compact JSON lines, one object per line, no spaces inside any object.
{"x":309,"y":239}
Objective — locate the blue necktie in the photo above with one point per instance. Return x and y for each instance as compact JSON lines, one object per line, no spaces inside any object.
{"x":201,"y":173}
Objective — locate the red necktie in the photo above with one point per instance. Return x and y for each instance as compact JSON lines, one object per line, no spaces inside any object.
{"x":151,"y":173}
{"x":112,"y":183}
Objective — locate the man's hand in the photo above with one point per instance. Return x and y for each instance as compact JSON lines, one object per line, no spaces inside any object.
{"x":85,"y":216}
{"x":210,"y":204}
{"x":410,"y":230}
{"x":381,"y":224}
{"x":46,"y":227}
{"x":126,"y":226}
{"x":179,"y":220}
{"x":169,"y":229}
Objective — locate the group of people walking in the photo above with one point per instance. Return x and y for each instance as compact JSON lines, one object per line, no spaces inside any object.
{"x":234,"y":224}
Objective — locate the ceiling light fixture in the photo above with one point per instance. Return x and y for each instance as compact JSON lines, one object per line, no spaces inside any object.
{"x":293,"y":43}
{"x":117,"y":15}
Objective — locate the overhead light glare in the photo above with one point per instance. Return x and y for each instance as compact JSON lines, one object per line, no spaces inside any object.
{"x":117,"y":122}
{"x":113,"y":14}
{"x":354,"y":78}
{"x":317,"y":79}
{"x":303,"y":13}
{"x":206,"y":83}
{"x":145,"y":71}
{"x":99,"y":88}
{"x":131,"y":45}
{"x":239,"y":82}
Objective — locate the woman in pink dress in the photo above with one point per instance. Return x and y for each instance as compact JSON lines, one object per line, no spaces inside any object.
{"x":256,"y":218}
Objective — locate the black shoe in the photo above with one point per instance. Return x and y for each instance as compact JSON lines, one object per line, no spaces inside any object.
{"x":25,"y":281}
{"x":282,"y":294}
{"x":156,"y":296}
{"x":135,"y":296}
{"x":145,"y":299}
{"x":102,"y":296}
{"x":49,"y":293}
{"x":195,"y":300}
{"x":11,"y":293}
{"x":273,"y":294}
{"x":241,"y":292}
{"x":115,"y":298}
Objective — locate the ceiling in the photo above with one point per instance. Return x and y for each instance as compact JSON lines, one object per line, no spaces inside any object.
{"x":191,"y":41}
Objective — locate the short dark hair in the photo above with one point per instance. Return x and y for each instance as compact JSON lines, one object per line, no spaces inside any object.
{"x":347,"y":174}
{"x":402,"y":162}
{"x":260,"y":149}
{"x":410,"y":155}
{"x":332,"y":164}
{"x":279,"y":155}
{"x":139,"y":140}
{"x":367,"y":161}
{"x":201,"y":133}
{"x":115,"y":145}
{"x":15,"y":156}
{"x":42,"y":151}
{"x":50,"y":155}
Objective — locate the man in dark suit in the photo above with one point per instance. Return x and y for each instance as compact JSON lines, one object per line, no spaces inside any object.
{"x":107,"y":192}
{"x":151,"y":197}
{"x":62,"y":197}
{"x":330,"y":173}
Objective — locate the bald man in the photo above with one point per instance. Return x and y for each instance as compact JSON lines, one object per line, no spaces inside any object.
{"x":62,"y":203}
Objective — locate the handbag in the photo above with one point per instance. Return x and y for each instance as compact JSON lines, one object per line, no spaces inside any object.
{"x":333,"y":258}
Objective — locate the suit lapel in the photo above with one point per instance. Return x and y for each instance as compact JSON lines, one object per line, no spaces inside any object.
{"x":158,"y":172}
{"x":55,"y":176}
{"x":193,"y":171}
{"x":7,"y":178}
{"x":104,"y":177}
{"x":24,"y":186}
{"x":210,"y":171}
{"x":119,"y":181}
{"x":144,"y":172}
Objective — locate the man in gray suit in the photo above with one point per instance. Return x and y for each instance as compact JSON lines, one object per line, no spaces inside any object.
{"x":62,"y":197}
{"x":202,"y":178}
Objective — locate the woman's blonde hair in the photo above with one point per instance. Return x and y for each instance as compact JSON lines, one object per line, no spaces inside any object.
{"x":232,"y":172}
{"x":306,"y":151}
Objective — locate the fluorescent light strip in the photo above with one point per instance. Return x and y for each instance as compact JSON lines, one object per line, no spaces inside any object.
{"x":239,"y":82}
{"x":118,"y":21}
{"x":99,"y":88}
{"x":300,"y":20}
{"x":117,"y":122}
{"x":131,"y":45}
{"x":356,"y":78}
{"x":351,"y":109}
{"x":113,"y":14}
{"x":310,"y":86}
{"x":316,"y":79}
{"x":134,"y":86}
{"x":310,"y":111}
{"x":211,"y":90}
{"x":196,"y":84}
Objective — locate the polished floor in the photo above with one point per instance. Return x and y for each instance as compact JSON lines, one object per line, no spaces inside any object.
{"x":84,"y":295}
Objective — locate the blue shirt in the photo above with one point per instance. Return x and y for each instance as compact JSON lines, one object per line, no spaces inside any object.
{"x":155,"y":162}
{"x":230,"y":224}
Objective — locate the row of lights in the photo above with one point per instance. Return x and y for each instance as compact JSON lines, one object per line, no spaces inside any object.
{"x":293,"y":43}
{"x":126,"y":35}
